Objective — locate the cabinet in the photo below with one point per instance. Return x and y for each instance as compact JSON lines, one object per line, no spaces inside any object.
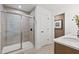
{"x":61,"y":49}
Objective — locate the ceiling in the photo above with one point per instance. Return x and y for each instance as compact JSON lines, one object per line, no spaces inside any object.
{"x":24,"y":7}
{"x":29,"y":7}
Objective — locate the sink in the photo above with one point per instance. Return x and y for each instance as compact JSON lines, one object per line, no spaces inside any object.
{"x":71,"y":39}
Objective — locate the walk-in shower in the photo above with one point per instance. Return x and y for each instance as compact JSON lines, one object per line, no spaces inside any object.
{"x":17,"y":32}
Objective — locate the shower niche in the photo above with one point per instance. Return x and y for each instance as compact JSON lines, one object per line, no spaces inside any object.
{"x":15,"y":32}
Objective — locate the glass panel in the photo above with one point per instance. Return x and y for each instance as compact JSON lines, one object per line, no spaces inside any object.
{"x":13,"y":33}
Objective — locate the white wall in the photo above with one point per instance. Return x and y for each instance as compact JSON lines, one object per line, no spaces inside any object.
{"x":43,"y":23}
{"x":41,"y":14}
{"x":70,"y":11}
{"x":33,"y":13}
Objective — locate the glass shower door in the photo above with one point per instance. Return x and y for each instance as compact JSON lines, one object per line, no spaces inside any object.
{"x":13,"y":33}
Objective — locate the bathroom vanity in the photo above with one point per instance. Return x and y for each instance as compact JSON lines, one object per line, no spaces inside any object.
{"x":68,"y":44}
{"x":62,"y":49}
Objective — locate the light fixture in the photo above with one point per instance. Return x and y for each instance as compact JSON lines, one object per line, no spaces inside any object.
{"x":19,"y":6}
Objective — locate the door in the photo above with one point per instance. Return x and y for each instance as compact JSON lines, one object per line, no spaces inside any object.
{"x":12,"y":39}
{"x":60,"y":31}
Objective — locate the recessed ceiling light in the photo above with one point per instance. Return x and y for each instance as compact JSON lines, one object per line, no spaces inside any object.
{"x":19,"y":6}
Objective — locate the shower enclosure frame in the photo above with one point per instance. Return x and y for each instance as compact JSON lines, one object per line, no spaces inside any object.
{"x":20,"y":29}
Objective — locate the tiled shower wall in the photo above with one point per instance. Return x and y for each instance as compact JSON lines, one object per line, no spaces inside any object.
{"x":27,"y":29}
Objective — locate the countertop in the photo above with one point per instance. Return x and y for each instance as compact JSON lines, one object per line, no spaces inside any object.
{"x":70,"y":40}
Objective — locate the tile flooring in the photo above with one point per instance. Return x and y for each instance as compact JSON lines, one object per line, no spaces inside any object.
{"x":48,"y":49}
